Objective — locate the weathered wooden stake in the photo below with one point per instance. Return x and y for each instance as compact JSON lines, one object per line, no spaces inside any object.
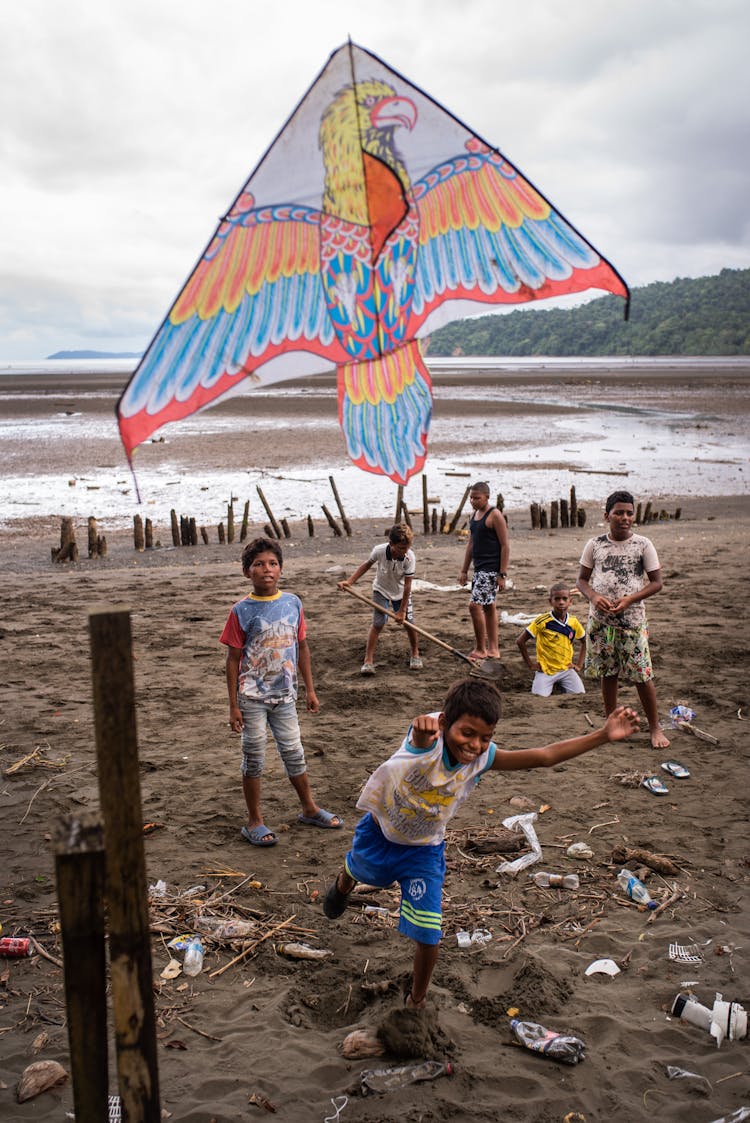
{"x":459,"y":509}
{"x":176,"y":541}
{"x":434,"y":522}
{"x":230,"y":522}
{"x":332,"y":522}
{"x":344,"y":520}
{"x":542,"y":518}
{"x":425,"y":506}
{"x":93,"y":538}
{"x":638,"y":513}
{"x":443,"y":520}
{"x":534,"y":510}
{"x":149,"y":534}
{"x":285,"y":528}
{"x":269,"y":531}
{"x":245,"y":519}
{"x":500,"y":501}
{"x":399,"y":503}
{"x":80,"y":873}
{"x":101,"y":546}
{"x":127,"y":901}
{"x":139,"y":542}
{"x":678,"y":512}
{"x":564,"y":516}
{"x":269,"y":512}
{"x":68,"y":549}
{"x":581,"y":516}
{"x":405,"y":517}
{"x":310,"y":527}
{"x":647,"y":512}
{"x":573,"y":506}
{"x":553,"y":512}
{"x":192,"y":532}
{"x":204,"y":535}
{"x":184,"y":530}
{"x":220,"y":531}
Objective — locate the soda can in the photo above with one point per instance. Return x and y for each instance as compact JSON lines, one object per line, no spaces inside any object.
{"x":15,"y":947}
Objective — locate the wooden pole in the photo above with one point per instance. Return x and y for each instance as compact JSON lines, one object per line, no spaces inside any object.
{"x":581,"y":518}
{"x":184,"y":530}
{"x":542,"y":518}
{"x":93,"y":538}
{"x":310,"y":527}
{"x":101,"y":546}
{"x":647,"y":512}
{"x":638,"y":513}
{"x":68,"y":549}
{"x":573,"y":506}
{"x":127,"y":901}
{"x":192,"y":532}
{"x":269,"y":512}
{"x":399,"y":503}
{"x":230,"y":522}
{"x":139,"y":541}
{"x":204,"y":535}
{"x":80,"y":872}
{"x":285,"y":528}
{"x":534,"y":510}
{"x":220,"y":532}
{"x":459,"y":509}
{"x":434,"y":523}
{"x":269,"y":531}
{"x":425,"y":505}
{"x":553,"y":512}
{"x":500,"y":502}
{"x":149,"y":534}
{"x":564,"y":516}
{"x":175,"y":528}
{"x":332,"y":522}
{"x":344,"y":520}
{"x":405,"y":517}
{"x":245,"y":519}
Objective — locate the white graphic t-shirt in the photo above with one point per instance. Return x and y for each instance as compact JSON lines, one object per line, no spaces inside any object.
{"x":618,"y":569}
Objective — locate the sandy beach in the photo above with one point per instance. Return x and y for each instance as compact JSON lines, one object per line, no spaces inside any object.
{"x":270,"y":1027}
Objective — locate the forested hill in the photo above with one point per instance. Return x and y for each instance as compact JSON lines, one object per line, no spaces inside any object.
{"x":701,"y":316}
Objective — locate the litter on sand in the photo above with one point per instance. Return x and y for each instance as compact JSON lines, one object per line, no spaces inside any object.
{"x":674,"y":768}
{"x":655,"y":785}
{"x":602,"y":967}
{"x":685,"y":953}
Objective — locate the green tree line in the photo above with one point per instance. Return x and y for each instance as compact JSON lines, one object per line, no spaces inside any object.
{"x":687,"y":316}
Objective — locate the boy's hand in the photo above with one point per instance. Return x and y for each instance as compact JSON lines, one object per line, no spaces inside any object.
{"x":235,"y":719}
{"x":311,"y":702}
{"x":463,"y":577}
{"x":345,"y":584}
{"x":621,"y":723}
{"x":601,"y":604}
{"x":618,"y":606}
{"x":424,"y":730}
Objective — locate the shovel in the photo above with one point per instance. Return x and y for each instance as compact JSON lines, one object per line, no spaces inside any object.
{"x":480,"y":668}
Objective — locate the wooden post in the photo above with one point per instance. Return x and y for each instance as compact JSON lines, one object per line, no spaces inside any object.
{"x":553,"y":514}
{"x":581,"y":516}
{"x":459,"y":509}
{"x":344,"y":520}
{"x":101,"y":546}
{"x":310,"y":527}
{"x":245,"y":519}
{"x":184,"y":530}
{"x":434,"y":522}
{"x":564,"y":516}
{"x":534,"y":509}
{"x":500,"y":502}
{"x":678,"y":512}
{"x":139,"y":542}
{"x":268,"y":530}
{"x":399,"y":503}
{"x":542,"y":518}
{"x":638,"y":513}
{"x":192,"y":532}
{"x":68,"y":549}
{"x":80,"y":873}
{"x":425,"y":505}
{"x":443,"y":520}
{"x":285,"y":528}
{"x":269,"y":512}
{"x":204,"y":535}
{"x":175,"y":528}
{"x":127,"y":901}
{"x":405,"y":517}
{"x":332,"y":522}
{"x":220,"y":531}
{"x":93,"y":538}
{"x":647,"y":512}
{"x":573,"y":506}
{"x":230,"y":522}
{"x":149,"y":534}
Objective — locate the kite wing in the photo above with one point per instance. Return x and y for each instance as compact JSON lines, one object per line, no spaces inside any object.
{"x":373,"y":217}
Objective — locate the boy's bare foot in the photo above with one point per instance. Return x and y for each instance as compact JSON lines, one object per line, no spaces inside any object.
{"x":659,"y":740}
{"x":477,"y":654}
{"x":493,"y":654}
{"x":410,"y":1004}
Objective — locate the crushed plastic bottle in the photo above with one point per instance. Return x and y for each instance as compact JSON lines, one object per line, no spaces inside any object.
{"x":555,"y":880}
{"x":225,"y":928}
{"x":192,"y":964}
{"x":302,"y":951}
{"x":558,"y":1046}
{"x":391,"y":1079}
{"x":635,"y":889}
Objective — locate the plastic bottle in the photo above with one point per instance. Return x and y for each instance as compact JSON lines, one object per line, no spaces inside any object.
{"x":391,"y":1079}
{"x":302,"y":951}
{"x":635,"y":889}
{"x":555,"y":880}
{"x":559,"y":1046}
{"x":192,"y":964}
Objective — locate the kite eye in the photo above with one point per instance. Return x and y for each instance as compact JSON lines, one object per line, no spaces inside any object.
{"x":370,"y":100}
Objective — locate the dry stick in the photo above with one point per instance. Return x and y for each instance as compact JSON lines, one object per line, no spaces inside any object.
{"x":269,"y":512}
{"x":251,"y":947}
{"x":127,"y":902}
{"x":208,"y":1036}
{"x":332,"y":522}
{"x":665,"y":904}
{"x":459,"y":509}
{"x":39,"y":950}
{"x":80,"y":871}
{"x":344,"y":520}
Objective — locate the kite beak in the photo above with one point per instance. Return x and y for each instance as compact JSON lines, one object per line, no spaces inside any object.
{"x":394,"y":111}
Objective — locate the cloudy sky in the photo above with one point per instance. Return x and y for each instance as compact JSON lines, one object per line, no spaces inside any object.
{"x":128,"y":127}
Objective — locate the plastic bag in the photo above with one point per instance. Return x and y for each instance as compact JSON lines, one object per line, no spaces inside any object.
{"x":522,"y":823}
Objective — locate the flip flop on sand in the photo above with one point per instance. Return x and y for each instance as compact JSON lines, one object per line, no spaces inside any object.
{"x":655,"y":785}
{"x":674,"y":768}
{"x":259,"y":836}
{"x":323,"y":819}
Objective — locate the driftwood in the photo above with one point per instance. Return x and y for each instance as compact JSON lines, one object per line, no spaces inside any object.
{"x":621,"y":855}
{"x":502,"y":842}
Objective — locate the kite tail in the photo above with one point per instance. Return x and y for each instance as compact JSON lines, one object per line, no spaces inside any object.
{"x":385,"y":406}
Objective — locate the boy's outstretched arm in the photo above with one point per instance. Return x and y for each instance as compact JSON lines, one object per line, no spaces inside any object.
{"x":620,"y":724}
{"x":362,"y":569}
{"x":234,"y":655}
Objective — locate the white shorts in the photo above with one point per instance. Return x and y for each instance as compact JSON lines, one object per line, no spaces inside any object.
{"x":569,"y":680}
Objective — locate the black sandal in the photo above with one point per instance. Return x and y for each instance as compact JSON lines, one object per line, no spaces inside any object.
{"x":335,"y":901}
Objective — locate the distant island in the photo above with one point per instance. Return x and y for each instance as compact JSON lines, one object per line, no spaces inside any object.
{"x":95,"y":355}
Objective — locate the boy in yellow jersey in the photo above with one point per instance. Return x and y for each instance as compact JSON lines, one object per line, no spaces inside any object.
{"x":555,"y":633}
{"x":410,"y":798}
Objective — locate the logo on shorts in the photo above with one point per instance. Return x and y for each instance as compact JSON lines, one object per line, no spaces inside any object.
{"x":417,"y":888}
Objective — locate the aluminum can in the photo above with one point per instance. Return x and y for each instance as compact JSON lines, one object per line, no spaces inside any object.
{"x":15,"y":947}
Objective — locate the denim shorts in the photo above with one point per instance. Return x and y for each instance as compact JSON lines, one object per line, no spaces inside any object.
{"x":419,"y":870}
{"x":379,"y":618}
{"x":281,"y":718}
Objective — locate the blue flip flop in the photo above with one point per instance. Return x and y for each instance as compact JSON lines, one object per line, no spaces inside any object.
{"x":323,"y":819}
{"x":674,"y":768}
{"x":655,"y":785}
{"x":259,"y":836}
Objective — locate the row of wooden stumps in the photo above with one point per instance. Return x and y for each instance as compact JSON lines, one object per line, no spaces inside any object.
{"x":432,"y":523}
{"x":100,"y":864}
{"x":68,"y":548}
{"x":561,"y":513}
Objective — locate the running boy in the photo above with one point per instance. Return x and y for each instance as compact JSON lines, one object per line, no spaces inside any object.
{"x":395,"y":566}
{"x":489,"y":550}
{"x":618,"y":571}
{"x":555,"y":633}
{"x":409,"y":800}
{"x":265,"y":640}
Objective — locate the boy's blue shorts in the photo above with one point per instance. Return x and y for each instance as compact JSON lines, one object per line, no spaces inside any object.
{"x":419,"y":870}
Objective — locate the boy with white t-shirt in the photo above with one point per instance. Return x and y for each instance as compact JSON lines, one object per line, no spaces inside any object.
{"x":391,"y":588}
